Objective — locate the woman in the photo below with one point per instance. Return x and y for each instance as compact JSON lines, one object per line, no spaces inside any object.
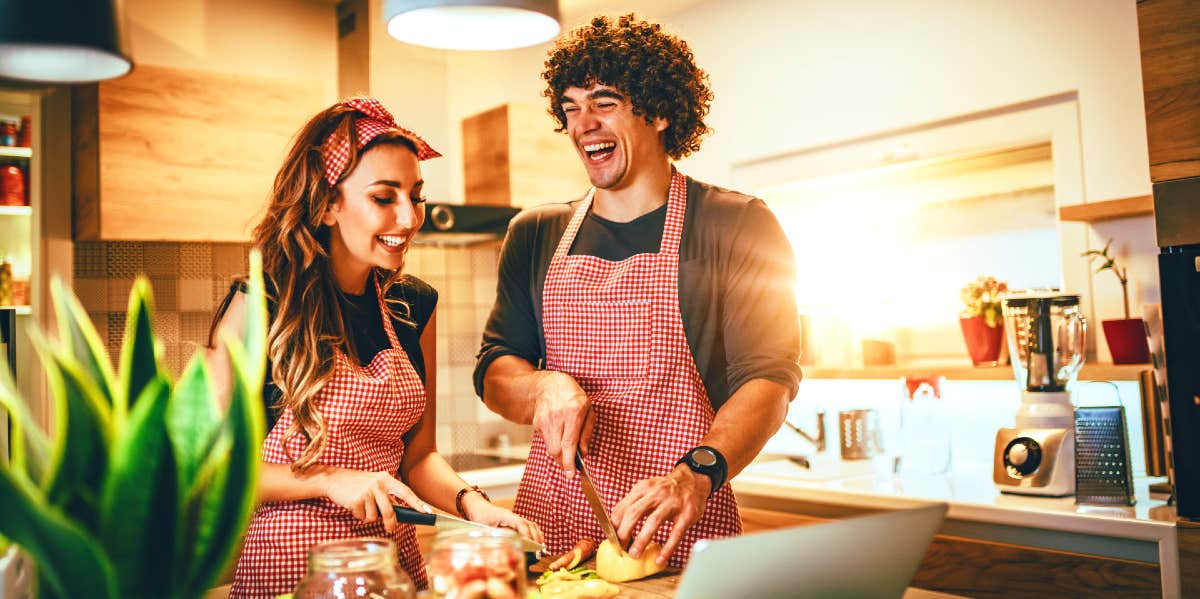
{"x":354,"y":430}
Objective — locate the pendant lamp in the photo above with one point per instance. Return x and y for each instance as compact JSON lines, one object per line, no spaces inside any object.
{"x":60,"y":41}
{"x":472,"y":24}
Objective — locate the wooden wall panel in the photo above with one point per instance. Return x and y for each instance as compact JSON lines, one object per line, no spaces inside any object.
{"x":1169,"y":32}
{"x":190,"y":155}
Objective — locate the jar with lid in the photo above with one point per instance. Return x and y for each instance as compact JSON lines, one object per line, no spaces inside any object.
{"x":363,"y":567}
{"x":925,"y":427}
{"x":477,"y":563}
{"x":12,"y":186}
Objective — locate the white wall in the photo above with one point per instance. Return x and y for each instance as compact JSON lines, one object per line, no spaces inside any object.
{"x":791,"y":75}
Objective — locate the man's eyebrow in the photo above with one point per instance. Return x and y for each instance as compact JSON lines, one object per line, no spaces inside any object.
{"x":600,"y":93}
{"x":606,"y":93}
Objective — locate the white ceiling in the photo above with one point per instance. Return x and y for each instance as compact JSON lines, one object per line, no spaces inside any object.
{"x":575,"y":11}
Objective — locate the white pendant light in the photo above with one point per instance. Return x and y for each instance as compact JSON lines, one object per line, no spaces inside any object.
{"x":57,"y":42}
{"x":472,"y":24}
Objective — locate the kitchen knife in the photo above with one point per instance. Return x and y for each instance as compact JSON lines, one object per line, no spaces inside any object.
{"x":593,"y":499}
{"x":443,"y":522}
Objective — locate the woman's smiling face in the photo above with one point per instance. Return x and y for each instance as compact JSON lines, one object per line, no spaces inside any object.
{"x":377,"y":213}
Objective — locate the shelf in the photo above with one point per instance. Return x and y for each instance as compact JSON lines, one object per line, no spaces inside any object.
{"x":16,"y":152}
{"x":15,"y":210}
{"x":1095,"y":212}
{"x":20,"y":310}
{"x":966,"y":372}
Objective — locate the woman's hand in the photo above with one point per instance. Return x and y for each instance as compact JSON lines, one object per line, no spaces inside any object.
{"x":483,"y":511}
{"x":368,"y":495}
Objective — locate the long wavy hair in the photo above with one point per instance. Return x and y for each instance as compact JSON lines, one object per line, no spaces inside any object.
{"x":307,"y":327}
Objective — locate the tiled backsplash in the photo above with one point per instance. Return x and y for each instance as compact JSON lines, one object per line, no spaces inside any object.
{"x":191,"y":279}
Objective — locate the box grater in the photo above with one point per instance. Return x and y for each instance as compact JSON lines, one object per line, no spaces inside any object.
{"x":1102,"y":468}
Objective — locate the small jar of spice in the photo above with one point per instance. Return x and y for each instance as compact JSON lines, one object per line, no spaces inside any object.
{"x":12,"y":186}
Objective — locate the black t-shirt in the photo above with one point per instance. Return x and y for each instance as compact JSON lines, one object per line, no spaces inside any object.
{"x":411,"y":302}
{"x":736,"y":285}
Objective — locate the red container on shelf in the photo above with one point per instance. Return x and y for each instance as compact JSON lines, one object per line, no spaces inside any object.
{"x":25,"y":132}
{"x":12,"y":186}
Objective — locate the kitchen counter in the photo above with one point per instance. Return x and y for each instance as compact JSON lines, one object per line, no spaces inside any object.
{"x":1144,"y":532}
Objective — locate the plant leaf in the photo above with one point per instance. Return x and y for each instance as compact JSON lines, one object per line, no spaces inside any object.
{"x":192,"y":420}
{"x":139,"y":362}
{"x":228,"y":501}
{"x":83,"y":433}
{"x":69,"y":560}
{"x":29,"y":449}
{"x":229,"y":477}
{"x":139,"y":504}
{"x":79,"y":339}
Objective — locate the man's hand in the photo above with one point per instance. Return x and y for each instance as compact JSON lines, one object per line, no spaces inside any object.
{"x":562,"y":413}
{"x":678,"y":497}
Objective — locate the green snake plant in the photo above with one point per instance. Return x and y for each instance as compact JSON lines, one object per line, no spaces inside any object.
{"x":144,"y":486}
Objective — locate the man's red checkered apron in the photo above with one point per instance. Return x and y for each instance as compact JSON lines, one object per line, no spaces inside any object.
{"x":616,"y":328}
{"x":367,"y":411}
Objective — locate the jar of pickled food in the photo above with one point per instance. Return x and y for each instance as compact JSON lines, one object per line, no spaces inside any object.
{"x":477,"y":563}
{"x":364,"y":567}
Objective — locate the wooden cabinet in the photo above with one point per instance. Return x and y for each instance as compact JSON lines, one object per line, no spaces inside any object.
{"x":1169,"y":31}
{"x":513,"y":157}
{"x":180,"y":155}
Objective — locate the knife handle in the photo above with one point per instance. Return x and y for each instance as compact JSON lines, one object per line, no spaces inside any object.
{"x":408,"y":515}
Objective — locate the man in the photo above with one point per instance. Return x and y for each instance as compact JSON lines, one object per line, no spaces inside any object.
{"x":662,"y":308}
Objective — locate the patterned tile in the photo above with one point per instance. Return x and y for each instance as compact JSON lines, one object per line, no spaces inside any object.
{"x":90,"y":259}
{"x":161,"y":259}
{"x":100,"y":322}
{"x":166,"y":327}
{"x":92,"y":293}
{"x":123,"y":259}
{"x":458,"y":263}
{"x":485,"y":259}
{"x":166,"y":293}
{"x":171,"y":358}
{"x":457,"y":293}
{"x":228,"y":259}
{"x":483,"y":291}
{"x":115,"y":333}
{"x":195,"y":260}
{"x":195,"y":295}
{"x":466,"y":437}
{"x":118,"y":294}
{"x":193,"y":328}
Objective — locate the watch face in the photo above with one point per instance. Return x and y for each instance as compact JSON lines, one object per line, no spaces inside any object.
{"x":704,"y":457}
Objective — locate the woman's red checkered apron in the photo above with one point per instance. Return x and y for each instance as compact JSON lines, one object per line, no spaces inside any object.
{"x":367,"y":411}
{"x":616,"y":328}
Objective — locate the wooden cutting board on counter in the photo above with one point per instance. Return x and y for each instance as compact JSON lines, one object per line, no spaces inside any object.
{"x":659,"y":586}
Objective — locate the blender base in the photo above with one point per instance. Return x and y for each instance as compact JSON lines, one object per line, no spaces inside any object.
{"x":1035,"y":461}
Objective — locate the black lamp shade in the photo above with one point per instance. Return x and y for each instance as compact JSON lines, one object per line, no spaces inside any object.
{"x":60,"y":41}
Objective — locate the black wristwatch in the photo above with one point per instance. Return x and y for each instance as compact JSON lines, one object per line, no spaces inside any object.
{"x":709,"y":462}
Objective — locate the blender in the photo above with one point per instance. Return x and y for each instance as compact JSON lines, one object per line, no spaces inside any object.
{"x":1046,"y":342}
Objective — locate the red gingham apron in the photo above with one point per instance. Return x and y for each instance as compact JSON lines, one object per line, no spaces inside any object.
{"x":367,"y":411}
{"x":616,"y":328}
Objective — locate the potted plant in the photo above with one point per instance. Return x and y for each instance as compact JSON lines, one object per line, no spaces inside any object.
{"x":1126,"y":337}
{"x":981,"y":319}
{"x":145,"y":488}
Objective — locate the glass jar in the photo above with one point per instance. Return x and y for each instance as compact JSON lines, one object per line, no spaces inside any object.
{"x":364,"y":567}
{"x":477,"y":563}
{"x":925,"y":427}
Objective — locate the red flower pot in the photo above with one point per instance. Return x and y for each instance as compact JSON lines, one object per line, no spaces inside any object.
{"x":1126,"y":340}
{"x":983,"y":342}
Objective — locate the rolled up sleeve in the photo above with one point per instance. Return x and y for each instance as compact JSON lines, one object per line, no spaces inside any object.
{"x":761,"y":324}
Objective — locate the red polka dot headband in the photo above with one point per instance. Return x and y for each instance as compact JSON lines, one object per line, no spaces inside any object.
{"x":336,"y":149}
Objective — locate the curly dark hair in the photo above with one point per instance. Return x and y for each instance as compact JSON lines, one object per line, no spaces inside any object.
{"x":654,"y":68}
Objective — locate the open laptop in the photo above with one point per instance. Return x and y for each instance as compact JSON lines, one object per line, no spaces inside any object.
{"x":868,"y":556}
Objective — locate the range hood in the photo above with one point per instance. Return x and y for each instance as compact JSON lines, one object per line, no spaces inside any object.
{"x":463,"y":224}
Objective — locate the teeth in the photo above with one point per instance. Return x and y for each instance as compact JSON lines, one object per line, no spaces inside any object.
{"x":600,"y":146}
{"x":391,"y":240}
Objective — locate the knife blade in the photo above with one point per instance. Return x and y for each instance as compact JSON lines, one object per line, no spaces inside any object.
{"x":597,"y":505}
{"x":443,"y":522}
